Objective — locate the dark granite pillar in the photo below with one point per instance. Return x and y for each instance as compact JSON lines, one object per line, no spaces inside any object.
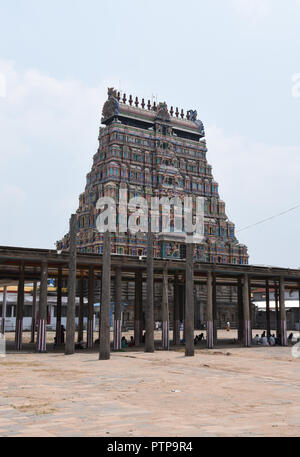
{"x":58,"y":307}
{"x":189,"y":302}
{"x":90,"y":323}
{"x":42,"y":321}
{"x":20,"y":310}
{"x":176,"y":321}
{"x":165,"y":311}
{"x":209,"y":312}
{"x":104,"y":352}
{"x":240,"y":310}
{"x":81,"y":309}
{"x":149,"y":314}
{"x":33,"y":312}
{"x":246,"y":312}
{"x":118,"y":310}
{"x":70,"y":330}
{"x":138,"y":308}
{"x":214,"y":300}
{"x":268,"y":322}
{"x":283,"y":333}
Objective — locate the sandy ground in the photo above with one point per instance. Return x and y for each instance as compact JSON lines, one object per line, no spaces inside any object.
{"x":229,"y":391}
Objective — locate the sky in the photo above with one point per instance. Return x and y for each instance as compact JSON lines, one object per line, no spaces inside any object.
{"x":236,"y":61}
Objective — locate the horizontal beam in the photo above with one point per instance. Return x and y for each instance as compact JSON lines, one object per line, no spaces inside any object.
{"x":11,"y":257}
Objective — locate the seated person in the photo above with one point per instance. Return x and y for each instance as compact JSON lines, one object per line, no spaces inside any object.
{"x":290,"y":338}
{"x":200,"y":337}
{"x":124,"y":342}
{"x":256,"y":339}
{"x":131,"y":342}
{"x":272,"y":341}
{"x":80,"y":345}
{"x":264,"y":341}
{"x":263,"y":334}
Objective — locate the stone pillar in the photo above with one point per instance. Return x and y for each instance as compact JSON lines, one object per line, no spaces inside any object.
{"x":149,"y":312}
{"x":90,"y":322}
{"x":81,"y":309}
{"x":299,"y":311}
{"x":246,"y":312}
{"x":182,"y":300}
{"x":165,"y":311}
{"x":118,"y":310}
{"x":70,"y":331}
{"x":58,"y":306}
{"x":214,"y":299}
{"x":278,"y":330}
{"x":20,"y":309}
{"x":42,"y":321}
{"x":4,"y":302}
{"x":138,"y":308}
{"x":240,"y":310}
{"x":250,"y":308}
{"x":104,"y":350}
{"x":99,"y":280}
{"x":176,"y":321}
{"x":189,"y":302}
{"x":209,"y":312}
{"x":33,"y":312}
{"x":268,"y":323}
{"x":196,"y":309}
{"x":283,"y":333}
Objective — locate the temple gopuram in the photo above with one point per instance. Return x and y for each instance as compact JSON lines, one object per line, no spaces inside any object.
{"x":152,"y":151}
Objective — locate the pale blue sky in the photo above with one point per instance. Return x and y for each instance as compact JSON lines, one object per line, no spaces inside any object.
{"x":232,"y":60}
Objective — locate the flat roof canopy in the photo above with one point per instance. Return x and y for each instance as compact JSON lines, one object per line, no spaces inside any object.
{"x":12,"y":257}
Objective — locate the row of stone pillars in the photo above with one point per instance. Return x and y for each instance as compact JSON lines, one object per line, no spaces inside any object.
{"x":244,"y":300}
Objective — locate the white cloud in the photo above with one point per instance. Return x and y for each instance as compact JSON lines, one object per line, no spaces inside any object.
{"x":256,"y":181}
{"x":252,"y":8}
{"x":48,"y":135}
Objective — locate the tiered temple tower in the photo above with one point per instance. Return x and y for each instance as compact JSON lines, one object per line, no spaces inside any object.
{"x":152,"y":151}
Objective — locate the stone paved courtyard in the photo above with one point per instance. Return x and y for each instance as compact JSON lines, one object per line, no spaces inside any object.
{"x":223,"y":392}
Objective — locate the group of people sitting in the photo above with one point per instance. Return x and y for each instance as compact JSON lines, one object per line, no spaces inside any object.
{"x":263,"y":340}
{"x":127,"y":344}
{"x":271,"y":341}
{"x":198,"y":338}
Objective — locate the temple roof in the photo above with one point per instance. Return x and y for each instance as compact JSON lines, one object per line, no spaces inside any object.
{"x":117,"y":107}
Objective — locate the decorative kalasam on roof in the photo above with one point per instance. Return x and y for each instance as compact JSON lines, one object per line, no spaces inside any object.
{"x":151,"y":150}
{"x":111,"y":106}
